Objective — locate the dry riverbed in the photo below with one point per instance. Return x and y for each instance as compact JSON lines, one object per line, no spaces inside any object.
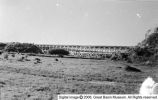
{"x":44,"y":80}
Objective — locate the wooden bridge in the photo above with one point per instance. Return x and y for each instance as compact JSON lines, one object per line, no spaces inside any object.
{"x":85,"y":51}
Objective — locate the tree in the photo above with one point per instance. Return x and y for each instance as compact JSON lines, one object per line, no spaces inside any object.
{"x":147,"y":50}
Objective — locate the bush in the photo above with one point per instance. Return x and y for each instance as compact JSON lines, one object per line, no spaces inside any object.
{"x":116,"y":56}
{"x":2,"y":46}
{"x":59,"y":52}
{"x":124,"y":56}
{"x":22,"y":48}
{"x":5,"y":56}
{"x":108,"y":56}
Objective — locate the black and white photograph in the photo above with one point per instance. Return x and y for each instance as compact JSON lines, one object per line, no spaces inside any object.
{"x":50,"y":48}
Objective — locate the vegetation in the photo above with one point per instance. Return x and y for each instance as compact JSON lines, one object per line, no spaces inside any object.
{"x":22,"y":48}
{"x":59,"y":52}
{"x":147,"y":50}
{"x":2,"y":46}
{"x":5,"y":55}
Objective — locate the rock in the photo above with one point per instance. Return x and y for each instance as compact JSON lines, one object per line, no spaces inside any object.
{"x":119,"y":67}
{"x":37,"y":59}
{"x":56,"y":59}
{"x":132,"y":69}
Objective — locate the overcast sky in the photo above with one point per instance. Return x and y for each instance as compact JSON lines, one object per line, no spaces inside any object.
{"x":77,"y":22}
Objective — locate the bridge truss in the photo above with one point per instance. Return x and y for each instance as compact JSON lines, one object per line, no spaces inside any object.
{"x":86,"y":51}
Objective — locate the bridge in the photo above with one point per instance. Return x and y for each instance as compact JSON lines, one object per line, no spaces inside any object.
{"x":85,"y":51}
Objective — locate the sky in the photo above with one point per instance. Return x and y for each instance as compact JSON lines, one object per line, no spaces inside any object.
{"x":77,"y":22}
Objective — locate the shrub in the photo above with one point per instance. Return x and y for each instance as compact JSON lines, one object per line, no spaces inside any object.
{"x":2,"y":46}
{"x":22,"y":48}
{"x":108,"y":55}
{"x":124,"y":56}
{"x":116,"y":56}
{"x":102,"y":56}
{"x":5,"y":56}
{"x":59,"y":52}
